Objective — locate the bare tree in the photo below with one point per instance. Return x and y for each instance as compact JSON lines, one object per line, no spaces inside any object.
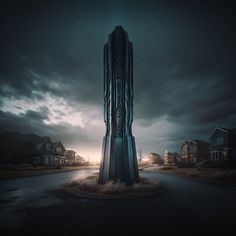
{"x":140,"y":155}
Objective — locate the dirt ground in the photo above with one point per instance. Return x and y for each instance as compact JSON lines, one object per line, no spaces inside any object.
{"x":9,"y":174}
{"x":221,"y":175}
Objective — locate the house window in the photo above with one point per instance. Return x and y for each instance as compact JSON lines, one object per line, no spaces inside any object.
{"x":59,"y":149}
{"x":219,"y":140}
{"x":48,"y":146}
{"x":192,"y":148}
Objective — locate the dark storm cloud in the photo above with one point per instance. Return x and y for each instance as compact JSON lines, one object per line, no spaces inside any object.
{"x":32,"y":122}
{"x":35,"y":116}
{"x":184,"y":58}
{"x":49,"y":43}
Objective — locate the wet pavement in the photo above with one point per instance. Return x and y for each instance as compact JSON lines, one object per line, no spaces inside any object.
{"x":18,"y":194}
{"x":36,"y":206}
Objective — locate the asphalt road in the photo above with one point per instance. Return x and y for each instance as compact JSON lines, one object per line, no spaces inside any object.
{"x":36,"y":206}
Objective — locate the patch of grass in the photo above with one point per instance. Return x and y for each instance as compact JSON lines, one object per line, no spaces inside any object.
{"x":90,"y":185}
{"x":113,"y":188}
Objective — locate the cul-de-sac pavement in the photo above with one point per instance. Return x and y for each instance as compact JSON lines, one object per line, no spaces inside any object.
{"x":38,"y":206}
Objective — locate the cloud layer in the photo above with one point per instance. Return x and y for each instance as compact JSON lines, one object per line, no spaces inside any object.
{"x":184,"y":69}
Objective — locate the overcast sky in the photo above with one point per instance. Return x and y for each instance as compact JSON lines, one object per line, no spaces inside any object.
{"x":51,"y":70}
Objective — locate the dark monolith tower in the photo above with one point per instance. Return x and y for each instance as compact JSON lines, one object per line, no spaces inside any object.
{"x":119,"y":161}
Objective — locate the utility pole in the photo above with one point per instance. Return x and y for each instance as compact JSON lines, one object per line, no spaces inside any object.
{"x":140,"y":154}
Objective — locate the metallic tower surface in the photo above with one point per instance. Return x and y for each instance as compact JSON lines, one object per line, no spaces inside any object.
{"x":119,"y":161}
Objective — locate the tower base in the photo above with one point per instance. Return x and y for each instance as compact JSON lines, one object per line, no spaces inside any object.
{"x":119,"y":161}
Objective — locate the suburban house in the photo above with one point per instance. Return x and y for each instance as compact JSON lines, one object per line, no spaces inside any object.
{"x":79,"y":159}
{"x":155,"y":158}
{"x":194,"y":151}
{"x":223,"y":144}
{"x":49,"y":153}
{"x":170,"y":158}
{"x":34,"y":149}
{"x":70,"y":157}
{"x":58,"y":150}
{"x":9,"y":145}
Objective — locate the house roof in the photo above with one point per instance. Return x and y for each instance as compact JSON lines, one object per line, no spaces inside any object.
{"x":196,"y":141}
{"x":79,"y":157}
{"x":58,"y":143}
{"x":33,"y":138}
{"x":232,"y":131}
{"x":70,"y":151}
{"x":30,"y":138}
{"x":228,"y":131}
{"x":9,"y":136}
{"x":185,"y":142}
{"x":154,"y":154}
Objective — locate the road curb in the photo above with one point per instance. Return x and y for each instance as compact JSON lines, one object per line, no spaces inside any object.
{"x":89,"y":195}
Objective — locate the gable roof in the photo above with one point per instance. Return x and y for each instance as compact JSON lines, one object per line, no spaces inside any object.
{"x":46,"y":139}
{"x":79,"y":157}
{"x":228,"y":131}
{"x":232,"y":131}
{"x":185,"y":142}
{"x":70,"y":151}
{"x":195,"y":141}
{"x":155,"y":154}
{"x":9,"y":136}
{"x":54,"y":145}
